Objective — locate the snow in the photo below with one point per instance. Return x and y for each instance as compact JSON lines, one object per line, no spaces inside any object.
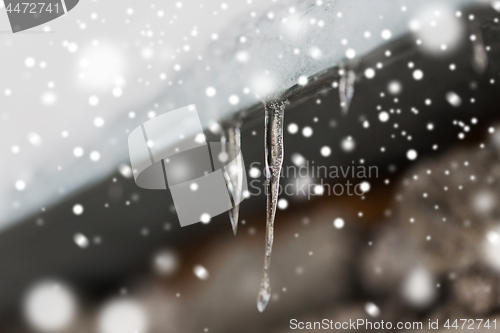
{"x":254,"y":58}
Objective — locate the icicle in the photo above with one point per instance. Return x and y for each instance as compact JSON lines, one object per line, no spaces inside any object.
{"x":479,"y":56}
{"x":264,"y":291}
{"x":275,"y":112}
{"x":346,"y":87}
{"x":227,"y":177}
{"x":235,"y":174}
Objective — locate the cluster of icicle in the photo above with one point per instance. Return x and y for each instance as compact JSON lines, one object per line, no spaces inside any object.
{"x":274,"y":152}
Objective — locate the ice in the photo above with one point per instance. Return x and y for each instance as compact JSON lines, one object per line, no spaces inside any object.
{"x":231,"y":143}
{"x":274,"y":150}
{"x":235,"y":174}
{"x":346,"y":88}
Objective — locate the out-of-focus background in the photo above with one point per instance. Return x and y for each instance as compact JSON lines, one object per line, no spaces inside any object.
{"x":84,"y":249}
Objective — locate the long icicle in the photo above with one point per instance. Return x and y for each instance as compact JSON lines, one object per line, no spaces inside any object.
{"x":275,"y":113}
{"x":235,"y":174}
